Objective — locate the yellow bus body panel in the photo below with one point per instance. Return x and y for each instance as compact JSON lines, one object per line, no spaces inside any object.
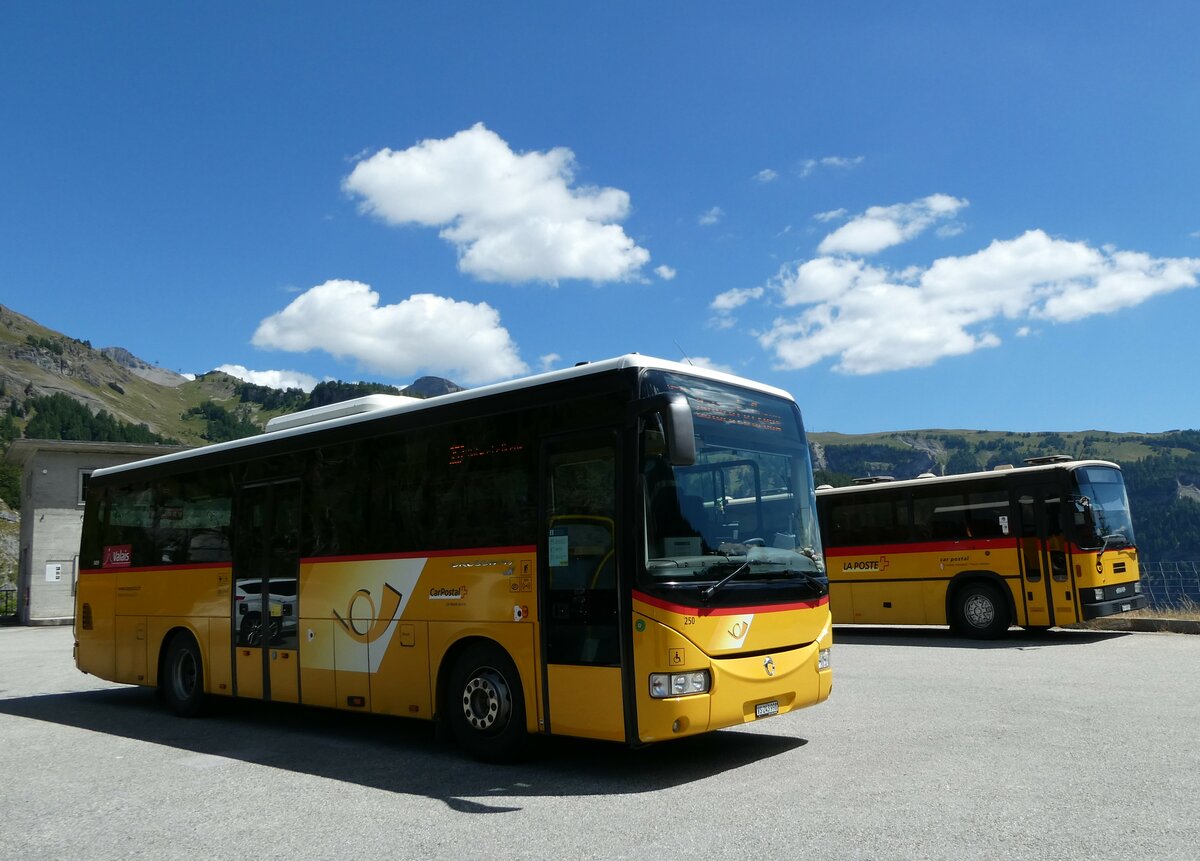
{"x":582,"y":696}
{"x":915,"y":583}
{"x":318,"y":685}
{"x":131,"y":650}
{"x":378,"y":635}
{"x":666,"y":640}
{"x":898,"y":587}
{"x":374,"y":633}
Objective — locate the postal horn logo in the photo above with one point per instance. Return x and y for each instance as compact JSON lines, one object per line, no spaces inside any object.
{"x":769,"y":665}
{"x":365,"y":622}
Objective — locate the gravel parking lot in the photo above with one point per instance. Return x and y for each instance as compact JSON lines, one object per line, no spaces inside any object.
{"x":1067,"y":744}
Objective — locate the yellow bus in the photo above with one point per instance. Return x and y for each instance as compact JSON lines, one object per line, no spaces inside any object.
{"x":1047,"y":544}
{"x":623,"y":550}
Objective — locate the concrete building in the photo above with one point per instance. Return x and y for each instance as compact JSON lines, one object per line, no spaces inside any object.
{"x":54,"y":479}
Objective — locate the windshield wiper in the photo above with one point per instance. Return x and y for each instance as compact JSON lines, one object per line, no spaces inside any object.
{"x":821,"y":587}
{"x":1114,"y":539}
{"x":708,"y":591}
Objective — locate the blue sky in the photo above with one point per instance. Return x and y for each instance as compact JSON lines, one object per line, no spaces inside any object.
{"x":923,"y":215}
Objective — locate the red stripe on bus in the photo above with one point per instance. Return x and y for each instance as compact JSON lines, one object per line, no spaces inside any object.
{"x":728,"y":611}
{"x":430,"y":554}
{"x":150,"y":569}
{"x":924,"y":547}
{"x":954,"y":547}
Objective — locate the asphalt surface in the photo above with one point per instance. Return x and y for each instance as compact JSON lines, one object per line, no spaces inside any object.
{"x":1062,"y":745}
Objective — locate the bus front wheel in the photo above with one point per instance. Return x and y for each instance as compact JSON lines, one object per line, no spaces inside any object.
{"x":485,"y":705}
{"x":980,"y":612}
{"x":181,"y":681}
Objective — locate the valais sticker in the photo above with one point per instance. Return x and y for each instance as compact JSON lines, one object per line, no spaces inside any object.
{"x":118,"y":555}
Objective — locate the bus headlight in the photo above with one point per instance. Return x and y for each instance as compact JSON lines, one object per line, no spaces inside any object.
{"x":664,"y":685}
{"x":823,"y":659}
{"x":1137,"y":588}
{"x":1099,"y":594}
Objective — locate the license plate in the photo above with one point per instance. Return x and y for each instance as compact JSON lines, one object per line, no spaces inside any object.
{"x":1125,"y":608}
{"x":1120,"y":590}
{"x":763,"y":710}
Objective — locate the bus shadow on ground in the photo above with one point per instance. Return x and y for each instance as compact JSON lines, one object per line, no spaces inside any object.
{"x":943,"y":638}
{"x":398,"y":755}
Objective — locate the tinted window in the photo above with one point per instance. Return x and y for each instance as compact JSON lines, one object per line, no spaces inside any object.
{"x":977,"y":510}
{"x":176,"y":521}
{"x":875,"y":518}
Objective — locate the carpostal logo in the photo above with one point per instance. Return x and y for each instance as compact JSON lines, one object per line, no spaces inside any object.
{"x":451,"y":594}
{"x":876,"y":565}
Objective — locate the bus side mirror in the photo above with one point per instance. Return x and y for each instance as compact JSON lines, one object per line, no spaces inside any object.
{"x":676,"y":415}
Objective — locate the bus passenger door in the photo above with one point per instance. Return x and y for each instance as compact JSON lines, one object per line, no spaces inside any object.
{"x":1047,"y":585}
{"x":266,"y":563}
{"x":581,"y":642}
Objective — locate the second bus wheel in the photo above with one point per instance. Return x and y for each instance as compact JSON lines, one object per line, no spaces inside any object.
{"x":181,"y":677}
{"x":485,"y":704}
{"x":979,"y":611}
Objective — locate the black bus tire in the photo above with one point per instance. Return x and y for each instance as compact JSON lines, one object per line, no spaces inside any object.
{"x":485,"y":705}
{"x":979,"y":612}
{"x":181,"y":680}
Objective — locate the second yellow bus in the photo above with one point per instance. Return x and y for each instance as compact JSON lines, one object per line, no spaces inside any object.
{"x":1047,"y":544}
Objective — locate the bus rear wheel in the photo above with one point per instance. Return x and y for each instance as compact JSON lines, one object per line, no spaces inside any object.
{"x":181,"y":680}
{"x":485,"y":705}
{"x":980,"y":612}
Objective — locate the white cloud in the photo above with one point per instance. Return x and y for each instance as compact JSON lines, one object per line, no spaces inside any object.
{"x":511,"y":216}
{"x":870,"y":319}
{"x":882,"y":227}
{"x":273,"y":379}
{"x":711,"y":217}
{"x":722,"y":322}
{"x":421,"y":334}
{"x":838,"y":162}
{"x":666,"y":273}
{"x":736,"y":298}
{"x":549,"y":361}
{"x":726,"y":303}
{"x":766,"y":175}
{"x":831,"y":215}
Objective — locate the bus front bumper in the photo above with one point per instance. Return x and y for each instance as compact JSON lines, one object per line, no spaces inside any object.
{"x":1113,"y":606}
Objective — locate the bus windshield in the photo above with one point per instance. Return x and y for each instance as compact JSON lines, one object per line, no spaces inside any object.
{"x":745,"y":510}
{"x":1101,"y":509}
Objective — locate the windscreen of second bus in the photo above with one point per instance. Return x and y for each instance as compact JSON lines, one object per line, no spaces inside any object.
{"x":1101,"y":508}
{"x":747,"y":498}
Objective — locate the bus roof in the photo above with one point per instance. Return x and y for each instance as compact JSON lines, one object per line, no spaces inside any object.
{"x":382,"y":408}
{"x":995,"y":474}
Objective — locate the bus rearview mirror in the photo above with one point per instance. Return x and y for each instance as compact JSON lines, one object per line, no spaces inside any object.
{"x":676,"y":415}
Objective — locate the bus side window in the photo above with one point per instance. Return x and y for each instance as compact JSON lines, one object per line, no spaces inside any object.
{"x":985,"y":509}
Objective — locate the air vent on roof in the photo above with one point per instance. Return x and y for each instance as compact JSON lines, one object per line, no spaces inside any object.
{"x":927,"y":475}
{"x":1047,"y":458}
{"x":874,"y":479}
{"x":342,"y":409}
